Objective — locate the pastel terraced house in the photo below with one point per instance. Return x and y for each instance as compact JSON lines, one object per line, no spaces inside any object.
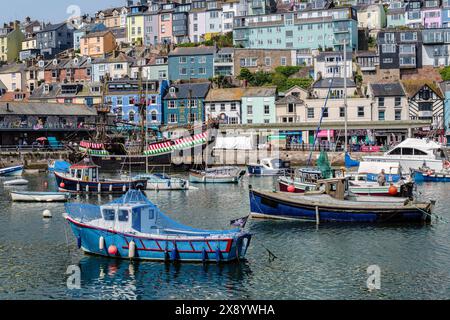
{"x":136,"y":25}
{"x":10,"y":42}
{"x":431,"y":14}
{"x":258,"y":105}
{"x":96,"y":44}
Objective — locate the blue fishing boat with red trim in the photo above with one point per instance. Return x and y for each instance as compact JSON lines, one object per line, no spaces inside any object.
{"x":84,"y":178}
{"x":132,"y":227}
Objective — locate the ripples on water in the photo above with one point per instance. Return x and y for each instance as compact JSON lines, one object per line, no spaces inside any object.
{"x":328,"y":262}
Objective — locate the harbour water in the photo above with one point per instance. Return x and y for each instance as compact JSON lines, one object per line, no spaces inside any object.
{"x":325,"y":262}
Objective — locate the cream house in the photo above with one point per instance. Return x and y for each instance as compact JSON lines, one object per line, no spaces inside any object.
{"x":372,"y":17}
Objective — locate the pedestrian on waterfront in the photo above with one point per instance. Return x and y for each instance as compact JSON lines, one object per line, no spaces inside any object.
{"x":382,"y":178}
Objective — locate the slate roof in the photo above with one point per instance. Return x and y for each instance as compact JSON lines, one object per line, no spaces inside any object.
{"x":387,"y":89}
{"x":52,"y":27}
{"x":188,"y":51}
{"x":260,"y":92}
{"x":47,"y":109}
{"x":227,"y":94}
{"x":199,"y":90}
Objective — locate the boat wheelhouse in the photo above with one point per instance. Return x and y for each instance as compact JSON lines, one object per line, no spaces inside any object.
{"x":132,"y":227}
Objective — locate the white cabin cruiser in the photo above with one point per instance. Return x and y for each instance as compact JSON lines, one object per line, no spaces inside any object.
{"x":413,"y":154}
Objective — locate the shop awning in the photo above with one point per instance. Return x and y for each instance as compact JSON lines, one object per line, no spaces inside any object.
{"x":325,"y":133}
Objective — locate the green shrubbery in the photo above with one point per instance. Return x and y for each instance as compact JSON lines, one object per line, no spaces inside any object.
{"x":280,"y":78}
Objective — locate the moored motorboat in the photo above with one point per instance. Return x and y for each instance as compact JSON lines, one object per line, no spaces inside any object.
{"x":217,"y":175}
{"x":269,"y":167}
{"x":84,"y":178}
{"x":11,"y":171}
{"x":412,"y":154}
{"x":16,"y":182}
{"x":161,"y":181}
{"x":132,"y":227}
{"x":27,"y":196}
{"x":332,"y":202}
{"x":428,"y":175}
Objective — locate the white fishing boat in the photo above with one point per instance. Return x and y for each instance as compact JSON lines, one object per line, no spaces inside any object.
{"x":27,"y":196}
{"x":269,"y":167}
{"x":16,"y":182}
{"x":217,"y":175}
{"x":413,"y":154}
{"x":162,"y":181}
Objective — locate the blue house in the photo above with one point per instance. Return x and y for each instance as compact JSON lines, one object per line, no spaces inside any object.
{"x":184,"y":103}
{"x":445,"y":14}
{"x":191,"y":63}
{"x":124,"y":95}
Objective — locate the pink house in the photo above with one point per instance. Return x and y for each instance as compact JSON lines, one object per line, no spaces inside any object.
{"x":431,"y":14}
{"x":165,"y":27}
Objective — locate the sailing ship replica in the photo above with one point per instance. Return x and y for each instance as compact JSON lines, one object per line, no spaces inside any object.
{"x":143,"y":149}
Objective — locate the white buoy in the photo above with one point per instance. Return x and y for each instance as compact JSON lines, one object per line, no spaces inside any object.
{"x":47,"y":214}
{"x":131,"y":249}
{"x":101,"y":243}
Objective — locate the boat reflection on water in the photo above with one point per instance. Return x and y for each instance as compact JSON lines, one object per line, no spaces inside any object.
{"x":121,"y":279}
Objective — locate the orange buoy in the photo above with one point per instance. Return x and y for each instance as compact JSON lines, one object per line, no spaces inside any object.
{"x":291,"y":189}
{"x":393,"y":190}
{"x":62,"y":185}
{"x":112,"y":250}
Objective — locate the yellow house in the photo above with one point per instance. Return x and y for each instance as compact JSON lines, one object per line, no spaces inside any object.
{"x":10,"y":42}
{"x":29,"y":43}
{"x":135,"y":28}
{"x":97,"y":43}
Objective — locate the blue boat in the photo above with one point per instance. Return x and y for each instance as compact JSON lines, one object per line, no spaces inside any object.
{"x":132,"y":227}
{"x":84,"y":178}
{"x":58,"y":166}
{"x":430,"y":176}
{"x":11,"y":171}
{"x":349,"y":162}
{"x":333,"y":203}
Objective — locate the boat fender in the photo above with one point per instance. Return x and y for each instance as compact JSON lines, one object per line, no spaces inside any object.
{"x":87,"y":188}
{"x":131,"y":250}
{"x":99,"y":187}
{"x":78,"y":187}
{"x":112,"y":250}
{"x":204,"y":256}
{"x":174,"y":255}
{"x":124,"y":188}
{"x":79,"y":242}
{"x":62,"y":185}
{"x":218,"y":255}
{"x":101,"y":243}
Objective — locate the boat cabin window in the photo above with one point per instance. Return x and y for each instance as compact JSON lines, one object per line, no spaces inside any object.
{"x":419,"y":152}
{"x":123,"y":215}
{"x":109,"y":214}
{"x":396,"y":151}
{"x":78,"y":174}
{"x":408,"y":151}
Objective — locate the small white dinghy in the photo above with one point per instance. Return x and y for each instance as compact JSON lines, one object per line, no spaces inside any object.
{"x":16,"y":182}
{"x":27,"y":196}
